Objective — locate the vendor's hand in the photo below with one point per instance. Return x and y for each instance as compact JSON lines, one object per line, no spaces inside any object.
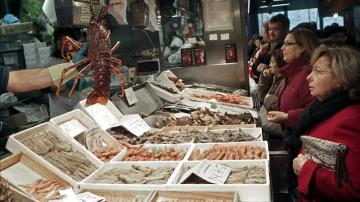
{"x":277,"y":116}
{"x":298,"y":163}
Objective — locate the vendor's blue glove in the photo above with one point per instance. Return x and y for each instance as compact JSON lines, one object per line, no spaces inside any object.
{"x":10,"y":19}
{"x":81,"y":54}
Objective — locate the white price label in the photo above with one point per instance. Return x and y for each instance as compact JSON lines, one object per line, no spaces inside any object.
{"x":135,"y":124}
{"x":224,"y":36}
{"x":72,"y":127}
{"x":130,"y":96}
{"x":213,"y":37}
{"x":211,"y":172}
{"x":102,"y":116}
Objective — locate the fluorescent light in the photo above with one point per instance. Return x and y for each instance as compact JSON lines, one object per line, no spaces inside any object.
{"x":276,"y":5}
{"x":335,"y":15}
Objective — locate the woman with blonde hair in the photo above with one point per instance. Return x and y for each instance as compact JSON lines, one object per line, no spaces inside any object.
{"x":334,"y":117}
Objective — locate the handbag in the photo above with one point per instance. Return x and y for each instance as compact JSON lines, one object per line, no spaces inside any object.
{"x":327,"y":154}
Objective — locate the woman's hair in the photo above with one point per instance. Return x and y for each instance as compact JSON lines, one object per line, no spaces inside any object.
{"x":345,"y":63}
{"x":307,"y":39}
{"x":279,"y":57}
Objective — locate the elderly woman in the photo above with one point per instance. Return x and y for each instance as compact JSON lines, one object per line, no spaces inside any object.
{"x":335,"y":82}
{"x":297,"y":49}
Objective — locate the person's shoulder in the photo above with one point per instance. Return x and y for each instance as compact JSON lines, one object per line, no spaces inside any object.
{"x":351,"y":112}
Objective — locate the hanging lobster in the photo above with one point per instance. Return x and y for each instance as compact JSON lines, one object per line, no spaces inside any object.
{"x":99,"y":58}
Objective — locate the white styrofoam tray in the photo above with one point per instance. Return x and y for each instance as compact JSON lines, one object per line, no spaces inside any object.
{"x":187,"y":93}
{"x":166,"y":95}
{"x":88,"y":183}
{"x":18,"y":170}
{"x":185,"y":146}
{"x":109,"y":106}
{"x":76,"y":114}
{"x":246,"y":192}
{"x":164,"y":80}
{"x":15,"y":146}
{"x":205,"y":146}
{"x":123,"y":195}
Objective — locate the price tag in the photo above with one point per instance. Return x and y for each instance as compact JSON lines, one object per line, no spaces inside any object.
{"x":89,"y":197}
{"x":130,"y":96}
{"x":224,"y":36}
{"x":211,"y":172}
{"x":102,"y":116}
{"x":72,"y":127}
{"x":135,"y":124}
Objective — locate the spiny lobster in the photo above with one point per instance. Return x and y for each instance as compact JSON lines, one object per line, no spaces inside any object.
{"x":99,"y":58}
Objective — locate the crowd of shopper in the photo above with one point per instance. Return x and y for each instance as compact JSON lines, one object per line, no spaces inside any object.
{"x":311,"y":90}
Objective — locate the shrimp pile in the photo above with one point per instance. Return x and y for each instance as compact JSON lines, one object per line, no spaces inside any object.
{"x":44,"y":190}
{"x":155,"y":154}
{"x":60,"y":154}
{"x":106,"y":153}
{"x":135,"y":175}
{"x":229,"y":152}
{"x":227,"y":98}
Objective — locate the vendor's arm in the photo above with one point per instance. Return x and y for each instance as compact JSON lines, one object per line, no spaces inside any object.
{"x":27,"y":80}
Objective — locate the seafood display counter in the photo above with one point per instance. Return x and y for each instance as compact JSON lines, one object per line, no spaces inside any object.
{"x":121,"y":157}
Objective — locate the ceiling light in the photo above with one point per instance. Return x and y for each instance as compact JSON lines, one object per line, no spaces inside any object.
{"x":276,"y":5}
{"x":335,"y":15}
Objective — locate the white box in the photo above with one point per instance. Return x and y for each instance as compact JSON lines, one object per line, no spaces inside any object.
{"x":76,"y":114}
{"x":194,"y":195}
{"x":164,"y":80}
{"x":205,"y":146}
{"x":109,"y":106}
{"x":19,"y":169}
{"x":15,"y":146}
{"x":123,"y":195}
{"x":89,"y":185}
{"x":246,"y":192}
{"x":186,"y":147}
{"x":165,"y":95}
{"x":187,"y":93}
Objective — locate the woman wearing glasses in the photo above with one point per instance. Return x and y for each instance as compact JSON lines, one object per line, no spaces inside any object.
{"x":335,"y":82}
{"x":297,"y":49}
{"x":295,"y":96}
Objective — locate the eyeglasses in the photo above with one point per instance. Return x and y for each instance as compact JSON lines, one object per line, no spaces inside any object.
{"x":319,"y":72}
{"x":291,"y":43}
